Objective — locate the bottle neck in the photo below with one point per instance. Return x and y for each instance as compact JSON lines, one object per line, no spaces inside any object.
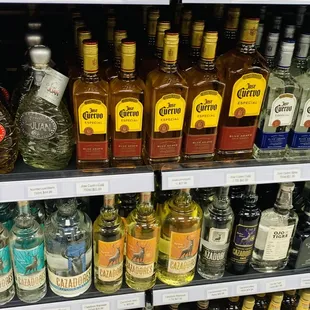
{"x":246,"y":48}
{"x":127,"y":76}
{"x":194,"y":53}
{"x":168,"y":67}
{"x":206,"y":65}
{"x":90,"y":77}
{"x":38,"y":76}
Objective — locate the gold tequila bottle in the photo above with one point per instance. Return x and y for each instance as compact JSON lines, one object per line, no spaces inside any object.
{"x":204,"y":104}
{"x":304,"y":300}
{"x":181,"y":220}
{"x":126,"y":95}
{"x":165,"y":102}
{"x":108,"y":238}
{"x":143,"y":229}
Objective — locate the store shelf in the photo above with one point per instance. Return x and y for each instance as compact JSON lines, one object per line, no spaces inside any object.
{"x":125,"y":2}
{"x":237,"y":173}
{"x":297,"y":2}
{"x":232,"y":285}
{"x":26,"y":183}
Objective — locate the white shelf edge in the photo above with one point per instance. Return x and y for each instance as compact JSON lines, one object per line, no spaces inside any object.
{"x":215,"y":177}
{"x":68,"y":187}
{"x":229,"y":289}
{"x":125,"y":2}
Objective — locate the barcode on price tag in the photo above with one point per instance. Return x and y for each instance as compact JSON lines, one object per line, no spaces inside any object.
{"x":181,"y":182}
{"x":92,"y":188}
{"x":128,"y":303}
{"x":97,"y":306}
{"x":42,"y":191}
{"x":305,"y":282}
{"x":217,"y":293}
{"x":240,"y":178}
{"x":285,"y":175}
{"x":276,"y":285}
{"x":175,"y":298}
{"x":246,"y":289}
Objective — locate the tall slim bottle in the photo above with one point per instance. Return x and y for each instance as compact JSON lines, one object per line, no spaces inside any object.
{"x":218,"y":220}
{"x":143,"y":230}
{"x":181,"y":219}
{"x":27,"y":252}
{"x":108,"y":241}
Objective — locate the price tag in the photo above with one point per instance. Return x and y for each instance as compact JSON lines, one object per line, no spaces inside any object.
{"x":42,"y":191}
{"x":305,"y":282}
{"x":181,"y":182}
{"x":240,"y":178}
{"x":92,"y":188}
{"x":98,"y":306}
{"x":246,"y":289}
{"x":217,"y":293}
{"x":175,"y":298}
{"x":285,"y":175}
{"x":276,"y":285}
{"x":128,"y":303}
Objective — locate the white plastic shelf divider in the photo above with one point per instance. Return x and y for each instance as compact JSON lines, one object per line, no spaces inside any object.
{"x":125,"y":2}
{"x":229,"y":289}
{"x":213,"y":177}
{"x":296,"y":2}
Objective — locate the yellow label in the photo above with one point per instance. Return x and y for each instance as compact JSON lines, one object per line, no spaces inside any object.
{"x":170,"y":53}
{"x":92,"y":117}
{"x":249,"y":31}
{"x":128,"y":115}
{"x":90,"y":63}
{"x":247,"y":95}
{"x":196,"y":39}
{"x":206,"y":109}
{"x":208,"y":50}
{"x":169,"y":113}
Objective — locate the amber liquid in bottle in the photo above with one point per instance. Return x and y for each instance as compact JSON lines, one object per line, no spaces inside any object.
{"x":127,"y":97}
{"x":90,"y":99}
{"x":165,"y":102}
{"x":244,"y":72}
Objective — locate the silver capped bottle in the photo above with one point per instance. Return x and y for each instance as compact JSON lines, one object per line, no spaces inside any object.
{"x":45,"y":126}
{"x":271,"y":48}
{"x":27,"y":252}
{"x":275,"y":233}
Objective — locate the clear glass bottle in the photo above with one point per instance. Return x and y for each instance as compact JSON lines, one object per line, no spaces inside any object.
{"x":276,"y":301}
{"x":218,"y":220}
{"x":143,"y":230}
{"x":68,"y":239}
{"x":27,"y":252}
{"x":181,"y":220}
{"x":299,"y":61}
{"x":271,"y":46}
{"x":280,"y":108}
{"x":45,"y":126}
{"x":108,"y":242}
{"x":7,"y":289}
{"x":8,"y":212}
{"x":275,"y":233}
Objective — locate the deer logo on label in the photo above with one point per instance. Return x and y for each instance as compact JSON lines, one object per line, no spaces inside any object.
{"x":139,"y":256}
{"x":33,"y":266}
{"x":113,"y":260}
{"x":187,"y":252}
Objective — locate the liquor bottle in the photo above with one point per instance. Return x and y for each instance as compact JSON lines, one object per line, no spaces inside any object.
{"x":165,"y":102}
{"x":203,"y":196}
{"x":108,"y":239}
{"x":289,"y":32}
{"x":233,"y":303}
{"x":90,"y":99}
{"x":275,"y":233}
{"x":259,"y":37}
{"x":236,"y":195}
{"x":27,"y":252}
{"x":126,"y":95}
{"x":202,"y":305}
{"x":304,"y":300}
{"x":8,"y":212}
{"x":299,"y":61}
{"x":248,"y":303}
{"x":279,"y":108}
{"x":37,"y":211}
{"x":244,"y":72}
{"x":300,"y":16}
{"x":277,"y":22}
{"x":111,"y":23}
{"x":186,"y":21}
{"x":142,"y":238}
{"x":68,"y":239}
{"x":6,"y":278}
{"x":215,"y":236}
{"x":228,"y":39}
{"x":181,"y":219}
{"x":276,"y":300}
{"x":45,"y":126}
{"x":271,"y":46}
{"x":261,"y":302}
{"x":153,"y":17}
{"x":205,"y":96}
{"x":289,"y":301}
{"x":267,"y":195}
{"x":195,"y":45}
{"x":126,"y":203}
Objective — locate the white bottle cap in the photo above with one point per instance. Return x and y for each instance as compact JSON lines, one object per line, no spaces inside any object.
{"x":303,"y":46}
{"x":286,"y":53}
{"x":259,"y":36}
{"x":272,"y":44}
{"x":289,"y":32}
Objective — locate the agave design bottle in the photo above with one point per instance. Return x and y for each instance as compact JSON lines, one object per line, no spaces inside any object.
{"x":45,"y":126}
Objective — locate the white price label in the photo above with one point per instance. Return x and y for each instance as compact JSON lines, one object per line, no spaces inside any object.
{"x":128,"y":303}
{"x":217,"y":293}
{"x":246,"y":289}
{"x":42,"y":191}
{"x":276,"y":285}
{"x":285,"y":175}
{"x":97,"y":306}
{"x":175,"y":298}
{"x":241,"y":178}
{"x":305,"y":282}
{"x":181,"y":182}
{"x":92,"y":188}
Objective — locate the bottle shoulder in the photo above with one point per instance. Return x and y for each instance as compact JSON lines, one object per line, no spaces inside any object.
{"x":123,"y":86}
{"x":81,"y":87}
{"x":197,"y":77}
{"x":277,"y":79}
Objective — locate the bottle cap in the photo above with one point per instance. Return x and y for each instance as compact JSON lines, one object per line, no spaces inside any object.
{"x":119,"y":35}
{"x":277,"y":297}
{"x":22,"y":203}
{"x":109,"y":200}
{"x":289,"y":187}
{"x":260,"y":32}
{"x":272,"y":44}
{"x":277,"y":21}
{"x":305,"y":294}
{"x":90,"y":50}
{"x":290,"y":292}
{"x":249,"y":30}
{"x":186,"y":22}
{"x":152,"y":22}
{"x":303,"y":46}
{"x":83,"y":34}
{"x":40,"y":56}
{"x":248,"y":302}
{"x":286,"y":53}
{"x":209,"y":43}
{"x":289,"y":32}
{"x":162,"y":26}
{"x":145,"y":196}
{"x":232,"y":20}
{"x":33,"y":39}
{"x":261,"y":295}
{"x":171,"y":44}
{"x":128,"y":59}
{"x":234,"y":298}
{"x":197,"y":33}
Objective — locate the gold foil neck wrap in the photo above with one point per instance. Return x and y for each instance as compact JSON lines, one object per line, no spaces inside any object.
{"x":152,"y":23}
{"x":128,"y":59}
{"x":232,"y":20}
{"x":83,"y":34}
{"x":209,"y":43}
{"x":197,"y":34}
{"x":248,"y":302}
{"x":109,"y":200}
{"x":119,"y":35}
{"x":249,"y":30}
{"x":171,"y":44}
{"x":161,"y":28}
{"x":145,"y":197}
{"x":90,"y":56}
{"x":186,"y":23}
